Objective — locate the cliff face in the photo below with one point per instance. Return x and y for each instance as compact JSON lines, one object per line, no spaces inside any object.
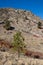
{"x":24,"y":21}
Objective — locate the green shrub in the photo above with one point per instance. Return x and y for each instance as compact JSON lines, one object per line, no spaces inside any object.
{"x":39,"y":25}
{"x":18,"y":42}
{"x":7,"y":25}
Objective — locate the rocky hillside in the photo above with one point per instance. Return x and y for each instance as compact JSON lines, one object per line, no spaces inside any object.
{"x":27,"y":23}
{"x":24,"y":21}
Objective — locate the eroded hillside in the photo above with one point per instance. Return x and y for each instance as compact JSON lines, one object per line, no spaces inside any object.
{"x":24,"y":21}
{"x":27,"y":23}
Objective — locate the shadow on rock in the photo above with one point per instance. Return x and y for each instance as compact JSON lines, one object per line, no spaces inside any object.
{"x":11,"y":28}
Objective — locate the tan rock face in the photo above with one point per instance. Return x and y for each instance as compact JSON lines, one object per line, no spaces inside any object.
{"x":12,"y":59}
{"x":1,"y":63}
{"x":24,"y":21}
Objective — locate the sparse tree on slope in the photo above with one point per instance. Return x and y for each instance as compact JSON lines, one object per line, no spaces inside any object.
{"x":7,"y":24}
{"x":18,"y":43}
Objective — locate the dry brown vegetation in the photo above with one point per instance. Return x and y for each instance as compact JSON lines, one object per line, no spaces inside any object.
{"x":26,"y":52}
{"x":4,"y":44}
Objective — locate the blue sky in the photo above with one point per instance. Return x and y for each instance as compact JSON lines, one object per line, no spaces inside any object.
{"x":36,"y":6}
